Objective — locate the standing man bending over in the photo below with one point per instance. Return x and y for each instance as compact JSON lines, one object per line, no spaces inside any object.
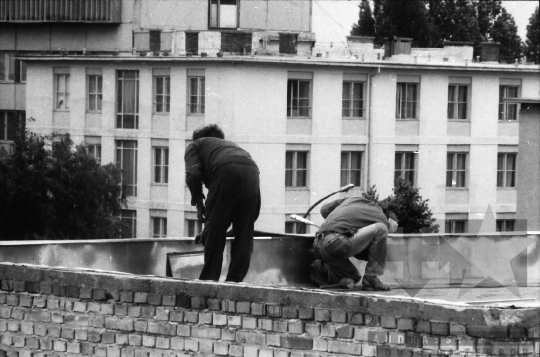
{"x":232,"y":179}
{"x":353,"y":227}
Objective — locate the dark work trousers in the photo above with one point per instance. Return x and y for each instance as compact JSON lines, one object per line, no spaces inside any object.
{"x":233,"y":197}
{"x":335,"y":249}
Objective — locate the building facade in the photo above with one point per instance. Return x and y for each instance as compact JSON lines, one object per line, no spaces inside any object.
{"x":314,"y":118}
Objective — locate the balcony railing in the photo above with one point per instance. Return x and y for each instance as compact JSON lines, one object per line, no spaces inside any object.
{"x":31,"y":11}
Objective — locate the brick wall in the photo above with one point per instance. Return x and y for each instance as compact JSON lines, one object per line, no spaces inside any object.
{"x":60,"y":312}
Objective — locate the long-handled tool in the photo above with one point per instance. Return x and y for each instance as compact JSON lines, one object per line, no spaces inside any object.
{"x":344,"y":283}
{"x":303,"y":220}
{"x":343,"y":189}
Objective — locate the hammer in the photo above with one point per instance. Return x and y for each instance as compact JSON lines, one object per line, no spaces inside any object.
{"x":344,"y":283}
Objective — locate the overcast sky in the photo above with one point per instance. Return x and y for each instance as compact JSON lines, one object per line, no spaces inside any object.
{"x":333,"y":19}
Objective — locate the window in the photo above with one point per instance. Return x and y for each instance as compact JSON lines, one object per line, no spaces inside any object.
{"x":20,"y":71}
{"x":126,"y":161}
{"x":455,"y":226}
{"x":508,"y":111}
{"x":223,"y":14}
{"x":196,"y":95}
{"x":61,"y":92}
{"x":506,"y":170}
{"x":161,"y":165}
{"x":353,"y":100}
{"x":95,"y":93}
{"x":193,"y":227}
{"x":10,"y":122}
{"x":456,"y":169}
{"x":162,"y":94}
{"x":457,"y":101}
{"x":7,"y":66}
{"x":296,"y":168}
{"x":94,"y":150}
{"x":406,"y":100}
{"x":351,"y":168}
{"x":292,"y":226}
{"x":298,"y":98}
{"x":405,"y":166}
{"x":127,"y":116}
{"x":506,"y":225}
{"x":129,"y":223}
{"x":159,"y":227}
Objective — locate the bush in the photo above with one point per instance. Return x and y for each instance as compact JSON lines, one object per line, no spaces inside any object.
{"x":49,"y":190}
{"x":406,"y":203}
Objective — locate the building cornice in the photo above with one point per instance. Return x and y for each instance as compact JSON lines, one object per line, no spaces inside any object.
{"x":304,"y":61}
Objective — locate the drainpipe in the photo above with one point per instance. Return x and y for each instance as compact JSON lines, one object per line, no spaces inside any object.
{"x":368,"y":122}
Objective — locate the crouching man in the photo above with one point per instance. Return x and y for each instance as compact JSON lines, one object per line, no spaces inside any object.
{"x":353,"y":227}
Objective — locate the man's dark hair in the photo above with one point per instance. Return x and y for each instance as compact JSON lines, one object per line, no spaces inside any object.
{"x":209,"y":131}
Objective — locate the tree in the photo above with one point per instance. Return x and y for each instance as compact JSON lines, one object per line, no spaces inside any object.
{"x":504,"y":31}
{"x":49,"y":190}
{"x":406,"y":203}
{"x":366,"y":23}
{"x":532,"y":44}
{"x":487,"y":11}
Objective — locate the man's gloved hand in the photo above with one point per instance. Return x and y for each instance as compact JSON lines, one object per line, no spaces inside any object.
{"x":393,"y":226}
{"x":199,"y":239}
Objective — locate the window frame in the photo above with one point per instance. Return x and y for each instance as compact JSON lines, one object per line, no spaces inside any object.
{"x":454,"y":170}
{"x":400,"y":101}
{"x":198,"y":228}
{"x":451,"y":224}
{"x":455,"y":102}
{"x":8,"y":133}
{"x":161,"y":227}
{"x":66,"y":93}
{"x":8,"y":74}
{"x":162,"y":167}
{"x":96,"y":93}
{"x":200,"y":96}
{"x":290,"y":98}
{"x":132,"y":192}
{"x":291,"y":225}
{"x":294,"y":170}
{"x":94,"y":150}
{"x":505,"y":171}
{"x":503,"y":223}
{"x":362,"y":100}
{"x":130,"y":220}
{"x":218,"y":21}
{"x":403,"y":164}
{"x":120,"y":100}
{"x":503,"y":94}
{"x":165,"y":95}
{"x":348,"y":169}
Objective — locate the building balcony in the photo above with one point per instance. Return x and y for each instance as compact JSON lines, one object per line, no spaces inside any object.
{"x":56,"y":11}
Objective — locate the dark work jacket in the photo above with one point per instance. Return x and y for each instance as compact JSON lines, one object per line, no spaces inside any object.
{"x":204,"y":156}
{"x":347,"y":215}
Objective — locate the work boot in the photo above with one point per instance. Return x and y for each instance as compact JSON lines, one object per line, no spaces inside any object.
{"x":372,"y":283}
{"x":317,"y":273}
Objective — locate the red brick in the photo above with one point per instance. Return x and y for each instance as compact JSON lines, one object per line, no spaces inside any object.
{"x":313,"y":329}
{"x":72,"y":292}
{"x":265,"y":324}
{"x":97,"y":321}
{"x":192,"y":345}
{"x":38,"y":316}
{"x":32,"y":287}
{"x":141,"y":297}
{"x":289,"y":312}
{"x":134,"y":311}
{"x":148,"y":312}
{"x":183,"y":300}
{"x":107,"y":309}
{"x":322,"y":315}
{"x":87,"y":349}
{"x":7,"y":285}
{"x":169,"y":300}
{"x":57,"y":317}
{"x":134,"y":340}
{"x":18,"y":313}
{"x":45,"y":344}
{"x":243,"y":307}
{"x":467,"y":344}
{"x":18,"y":341}
{"x":413,"y":340}
{"x":449,"y":343}
{"x":198,"y":303}
{"x":273,"y":310}
{"x":430,"y":343}
{"x":228,"y":334}
{"x":328,"y":330}
{"x":68,"y":333}
{"x":221,"y":349}
{"x":423,"y":326}
{"x":346,"y":331}
{"x":405,"y":324}
{"x":487,"y":331}
{"x":162,"y":314}
{"x":372,"y":320}
{"x":279,"y":326}
{"x":299,"y":343}
{"x":19,"y":285}
{"x":25,"y":300}
{"x":46,"y":288}
{"x":396,"y":338}
{"x":177,"y":315}
{"x":127,"y":296}
{"x":249,"y":338}
{"x":533,"y":332}
{"x":184,"y":330}
{"x":81,"y":334}
{"x":32,"y":342}
{"x":5,"y":312}
{"x":40,"y":330}
{"x":355,"y":318}
{"x":149,"y":341}
{"x":236,"y":350}
{"x":162,"y":328}
{"x":191,"y":316}
{"x":345,"y":347}
{"x":60,"y":346}
{"x":516,"y":332}
{"x":206,"y":346}
{"x":205,"y":318}
{"x":12,"y":300}
{"x":177,"y":343}
{"x":228,"y":306}
{"x":257,"y":309}
{"x":202,"y":332}
{"x":94,"y":336}
{"x":14,"y":326}
{"x":296,"y":327}
{"x":120,"y":310}
{"x":249,"y":322}
{"x":108,"y":337}
{"x":40,"y":302}
{"x":99,"y":294}
{"x":75,"y":347}
{"x":439,"y":328}
{"x":155,"y":299}
{"x":27,"y":328}
{"x":306,"y":313}
{"x":85,"y":293}
{"x":163,"y":342}
{"x":388,"y":322}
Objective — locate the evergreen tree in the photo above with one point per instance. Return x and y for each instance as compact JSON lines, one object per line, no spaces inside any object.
{"x":50,"y":191}
{"x":366,"y":23}
{"x":532,"y":44}
{"x":504,"y":31}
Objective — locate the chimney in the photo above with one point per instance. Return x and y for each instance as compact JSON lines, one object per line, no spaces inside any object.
{"x":490,"y":51}
{"x":360,"y":43}
{"x":397,"y":46}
